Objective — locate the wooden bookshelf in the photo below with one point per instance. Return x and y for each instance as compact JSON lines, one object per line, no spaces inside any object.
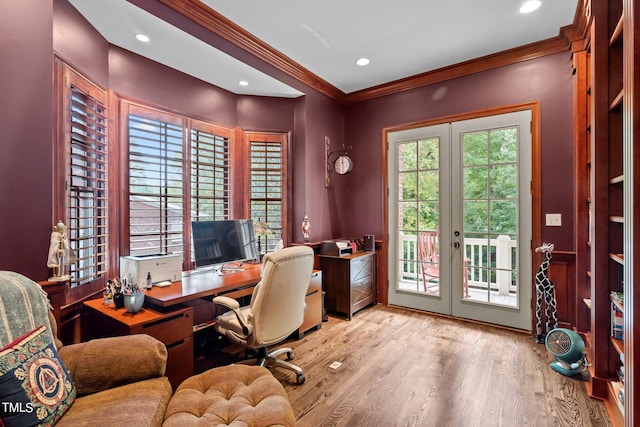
{"x":607,"y":231}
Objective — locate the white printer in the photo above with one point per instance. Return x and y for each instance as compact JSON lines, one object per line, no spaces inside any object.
{"x":162,"y":268}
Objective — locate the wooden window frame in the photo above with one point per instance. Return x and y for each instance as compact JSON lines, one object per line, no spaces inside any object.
{"x":283,"y":139}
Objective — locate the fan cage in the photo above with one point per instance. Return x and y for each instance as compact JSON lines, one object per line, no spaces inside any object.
{"x":559,"y":343}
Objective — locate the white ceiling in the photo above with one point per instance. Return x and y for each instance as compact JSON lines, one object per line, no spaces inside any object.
{"x":401,"y":38}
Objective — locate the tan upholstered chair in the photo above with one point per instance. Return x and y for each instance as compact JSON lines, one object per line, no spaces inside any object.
{"x":276,"y":309}
{"x":118,"y":381}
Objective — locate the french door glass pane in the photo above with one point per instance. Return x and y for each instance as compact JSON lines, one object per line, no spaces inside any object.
{"x":418,"y":164}
{"x":490,"y":214}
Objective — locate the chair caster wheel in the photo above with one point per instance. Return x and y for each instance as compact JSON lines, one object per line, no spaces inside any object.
{"x":290,"y":355}
{"x":300,"y":379}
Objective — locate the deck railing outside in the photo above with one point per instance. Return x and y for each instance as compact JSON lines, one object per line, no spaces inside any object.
{"x":489,"y":262}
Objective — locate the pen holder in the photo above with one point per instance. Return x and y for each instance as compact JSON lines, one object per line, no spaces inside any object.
{"x":133,"y":302}
{"x":118,"y":300}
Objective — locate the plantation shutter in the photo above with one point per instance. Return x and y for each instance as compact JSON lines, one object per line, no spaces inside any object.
{"x":210,"y":176}
{"x":86,"y":180}
{"x":266,"y":186}
{"x":156,"y":201}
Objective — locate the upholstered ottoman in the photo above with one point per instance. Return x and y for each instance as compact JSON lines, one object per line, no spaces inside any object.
{"x":238,"y":395}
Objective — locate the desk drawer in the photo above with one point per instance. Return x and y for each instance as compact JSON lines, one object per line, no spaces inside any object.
{"x":179,"y":361}
{"x":174,"y":327}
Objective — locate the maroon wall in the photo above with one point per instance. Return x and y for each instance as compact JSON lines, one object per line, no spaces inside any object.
{"x":136,"y":77}
{"x":264,"y":114}
{"x":79,"y":44}
{"x":547,"y":80}
{"x":26,"y":134}
{"x":323,"y":117}
{"x":32,"y":30}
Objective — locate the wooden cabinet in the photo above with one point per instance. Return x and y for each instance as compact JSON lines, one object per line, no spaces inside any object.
{"x":349,"y":282}
{"x":173,"y":328}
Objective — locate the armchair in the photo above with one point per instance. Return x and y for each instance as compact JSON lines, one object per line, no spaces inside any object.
{"x":116,"y":381}
{"x":276,"y":309}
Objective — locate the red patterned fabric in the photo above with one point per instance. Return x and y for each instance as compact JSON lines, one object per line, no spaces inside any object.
{"x":35,"y":387}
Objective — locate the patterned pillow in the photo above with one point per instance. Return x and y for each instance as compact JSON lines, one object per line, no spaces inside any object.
{"x":35,"y":387}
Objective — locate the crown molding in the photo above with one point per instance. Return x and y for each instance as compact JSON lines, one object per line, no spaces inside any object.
{"x":472,"y":66}
{"x":213,"y":21}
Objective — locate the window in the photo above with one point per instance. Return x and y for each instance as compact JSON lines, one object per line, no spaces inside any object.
{"x":156,"y":200}
{"x":209,"y":173}
{"x":170,"y":169}
{"x":82,"y":171}
{"x":267,"y":192}
{"x":178,"y":173}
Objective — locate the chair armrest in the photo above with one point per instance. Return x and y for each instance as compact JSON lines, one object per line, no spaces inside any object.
{"x":235,"y":307}
{"x":227,"y":302}
{"x":105,"y":363}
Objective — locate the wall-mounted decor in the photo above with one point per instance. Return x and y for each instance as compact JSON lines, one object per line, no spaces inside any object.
{"x":340,"y":164}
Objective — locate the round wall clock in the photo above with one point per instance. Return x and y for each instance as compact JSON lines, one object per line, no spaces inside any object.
{"x":343,"y":165}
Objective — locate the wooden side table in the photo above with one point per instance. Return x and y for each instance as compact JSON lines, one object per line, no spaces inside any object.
{"x":349,"y":282}
{"x":173,"y":328}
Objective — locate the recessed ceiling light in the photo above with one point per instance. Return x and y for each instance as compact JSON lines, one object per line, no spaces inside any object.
{"x":363,"y":61}
{"x":243,"y":83}
{"x":143,"y":38}
{"x":530,"y":6}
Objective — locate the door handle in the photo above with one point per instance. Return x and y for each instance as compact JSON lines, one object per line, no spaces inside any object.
{"x":456,"y":245}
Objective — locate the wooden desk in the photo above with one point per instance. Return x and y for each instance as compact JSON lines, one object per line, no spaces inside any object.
{"x":165,"y":318}
{"x":207,"y":284}
{"x":234,"y":285}
{"x":174,"y":329}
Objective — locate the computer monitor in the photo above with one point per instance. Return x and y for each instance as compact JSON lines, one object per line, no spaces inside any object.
{"x":216,"y":243}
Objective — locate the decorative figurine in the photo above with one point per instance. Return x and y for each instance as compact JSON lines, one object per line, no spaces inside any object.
{"x":306,"y":229}
{"x":60,"y":253}
{"x":545,"y":288}
{"x":108,"y":293}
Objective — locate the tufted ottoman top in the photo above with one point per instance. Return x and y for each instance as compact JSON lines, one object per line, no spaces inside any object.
{"x":234,"y":395}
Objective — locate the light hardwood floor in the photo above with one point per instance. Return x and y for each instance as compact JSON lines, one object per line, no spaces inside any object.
{"x":407,"y":368}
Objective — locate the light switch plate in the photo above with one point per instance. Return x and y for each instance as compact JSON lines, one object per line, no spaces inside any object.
{"x":554,"y":220}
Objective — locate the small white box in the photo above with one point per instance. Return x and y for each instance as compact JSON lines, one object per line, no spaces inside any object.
{"x":161,"y":267}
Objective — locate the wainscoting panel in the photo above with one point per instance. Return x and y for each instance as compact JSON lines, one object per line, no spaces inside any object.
{"x":562,"y":272}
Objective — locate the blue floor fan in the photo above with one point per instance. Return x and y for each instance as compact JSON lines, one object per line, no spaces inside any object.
{"x":568,"y":349}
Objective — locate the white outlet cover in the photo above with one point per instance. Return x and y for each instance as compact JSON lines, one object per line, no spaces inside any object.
{"x":554,"y":220}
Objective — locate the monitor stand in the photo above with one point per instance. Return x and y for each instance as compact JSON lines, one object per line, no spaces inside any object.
{"x":201,"y":270}
{"x":230,"y":268}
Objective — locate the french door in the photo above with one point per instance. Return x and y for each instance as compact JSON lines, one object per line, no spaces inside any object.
{"x":460,"y":218}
